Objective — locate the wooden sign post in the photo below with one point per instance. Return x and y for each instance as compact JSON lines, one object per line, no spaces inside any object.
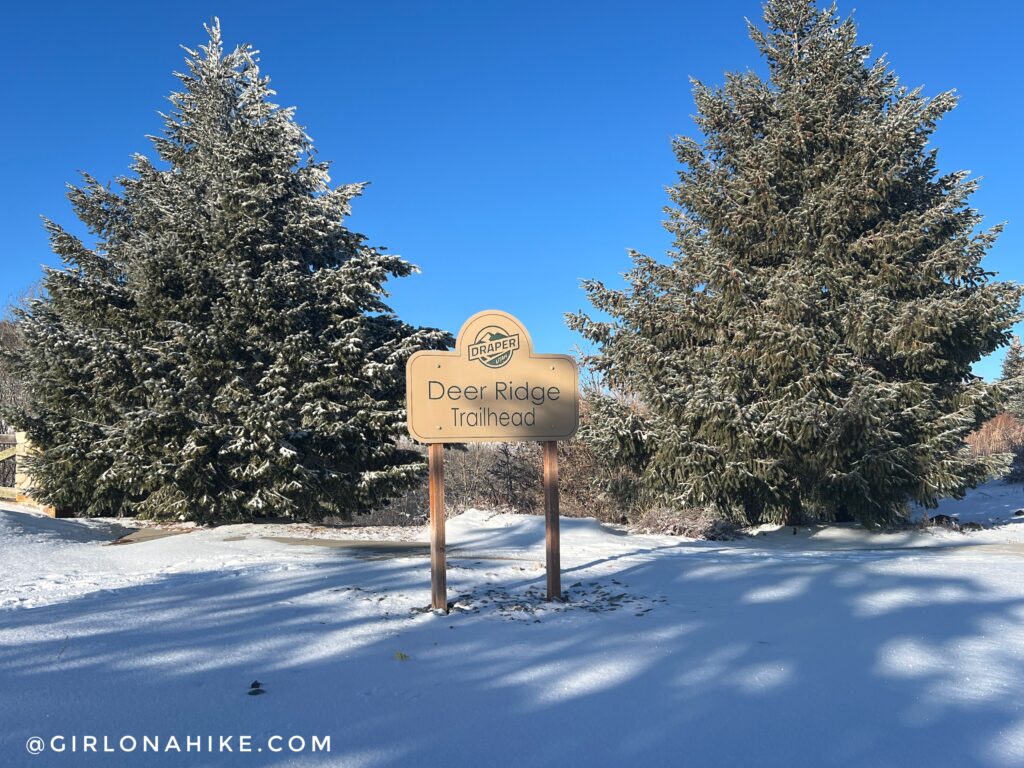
{"x":438,"y":566}
{"x":491,"y":388}
{"x":552,"y":539}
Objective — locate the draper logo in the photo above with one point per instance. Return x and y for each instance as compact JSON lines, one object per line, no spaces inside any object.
{"x":493,"y":346}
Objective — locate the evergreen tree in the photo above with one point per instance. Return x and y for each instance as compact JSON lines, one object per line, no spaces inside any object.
{"x":1012,"y":379}
{"x":807,"y":348}
{"x":223,"y":350}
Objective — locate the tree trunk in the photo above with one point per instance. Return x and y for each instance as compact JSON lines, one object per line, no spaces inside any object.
{"x":795,"y":513}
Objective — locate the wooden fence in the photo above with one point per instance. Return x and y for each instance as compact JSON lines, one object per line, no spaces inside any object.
{"x":14,"y":448}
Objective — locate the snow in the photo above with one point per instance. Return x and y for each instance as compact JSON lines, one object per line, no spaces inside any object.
{"x":831,"y":647}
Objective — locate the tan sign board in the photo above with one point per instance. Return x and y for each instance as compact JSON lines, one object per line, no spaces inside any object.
{"x":492,"y":388}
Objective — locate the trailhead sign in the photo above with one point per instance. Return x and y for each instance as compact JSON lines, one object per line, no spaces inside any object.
{"x":492,"y":388}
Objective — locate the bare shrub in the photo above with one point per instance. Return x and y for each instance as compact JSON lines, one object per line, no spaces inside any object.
{"x":515,"y":477}
{"x":465,"y":477}
{"x":580,"y":493}
{"x":411,"y":508}
{"x":500,"y":476}
{"x":692,"y":522}
{"x":1002,"y":434}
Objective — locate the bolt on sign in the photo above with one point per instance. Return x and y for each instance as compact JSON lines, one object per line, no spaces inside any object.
{"x":492,"y":388}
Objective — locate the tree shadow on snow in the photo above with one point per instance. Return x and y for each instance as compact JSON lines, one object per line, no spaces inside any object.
{"x":21,"y":523}
{"x":788,"y":659}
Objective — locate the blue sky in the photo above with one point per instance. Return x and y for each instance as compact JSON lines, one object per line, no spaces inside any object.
{"x":512,"y":148}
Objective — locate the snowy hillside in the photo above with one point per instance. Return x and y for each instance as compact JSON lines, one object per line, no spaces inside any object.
{"x":829,"y":647}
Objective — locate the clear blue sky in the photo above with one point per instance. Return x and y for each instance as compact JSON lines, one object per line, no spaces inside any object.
{"x":512,"y":147}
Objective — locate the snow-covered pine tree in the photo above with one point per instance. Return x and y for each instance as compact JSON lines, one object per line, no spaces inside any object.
{"x":1012,"y":379}
{"x":223,"y":350}
{"x":807,"y":348}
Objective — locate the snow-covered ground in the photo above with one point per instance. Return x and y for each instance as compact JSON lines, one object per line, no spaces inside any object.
{"x":828,"y":647}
